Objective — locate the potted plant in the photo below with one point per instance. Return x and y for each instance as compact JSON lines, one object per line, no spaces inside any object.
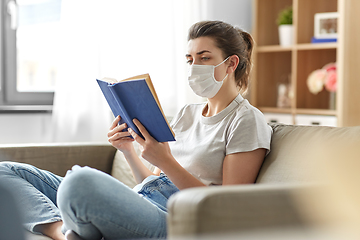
{"x":284,"y":21}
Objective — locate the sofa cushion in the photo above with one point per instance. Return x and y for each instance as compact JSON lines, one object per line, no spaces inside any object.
{"x":121,"y":169}
{"x":295,"y":155}
{"x":60,"y":157}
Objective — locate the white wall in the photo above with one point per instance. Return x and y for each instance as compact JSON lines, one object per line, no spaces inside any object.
{"x":25,"y":128}
{"x":235,"y":12}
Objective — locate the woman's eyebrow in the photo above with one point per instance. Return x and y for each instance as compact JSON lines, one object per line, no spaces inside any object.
{"x":198,"y":53}
{"x":203,"y":51}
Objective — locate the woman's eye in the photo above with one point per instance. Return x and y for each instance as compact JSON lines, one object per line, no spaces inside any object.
{"x":189,"y":61}
{"x":205,"y":58}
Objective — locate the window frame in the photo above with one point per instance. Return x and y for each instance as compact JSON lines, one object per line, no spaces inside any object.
{"x":1,"y":53}
{"x":8,"y":68}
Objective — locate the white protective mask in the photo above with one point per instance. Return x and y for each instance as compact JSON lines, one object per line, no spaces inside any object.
{"x":202,"y":80}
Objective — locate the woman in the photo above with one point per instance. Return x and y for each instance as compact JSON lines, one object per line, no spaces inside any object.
{"x":221,"y":142}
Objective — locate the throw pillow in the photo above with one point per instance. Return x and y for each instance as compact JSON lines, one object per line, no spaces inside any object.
{"x":122,"y":171}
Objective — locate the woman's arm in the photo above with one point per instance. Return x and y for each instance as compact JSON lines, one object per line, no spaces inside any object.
{"x":242,"y":168}
{"x":122,"y":141}
{"x":159,"y":154}
{"x":138,"y":169}
{"x":238,"y":168}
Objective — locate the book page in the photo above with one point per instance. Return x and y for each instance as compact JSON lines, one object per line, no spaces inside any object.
{"x":109,"y":80}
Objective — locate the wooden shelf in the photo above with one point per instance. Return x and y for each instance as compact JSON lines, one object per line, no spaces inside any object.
{"x":303,"y":46}
{"x":273,"y":48}
{"x":275,"y":110}
{"x":314,"y":46}
{"x":324,"y":112}
{"x":316,"y":112}
{"x":275,"y":65}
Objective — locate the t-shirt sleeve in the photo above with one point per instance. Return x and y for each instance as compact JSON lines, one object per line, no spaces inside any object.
{"x":177,"y":117}
{"x":248,"y":132}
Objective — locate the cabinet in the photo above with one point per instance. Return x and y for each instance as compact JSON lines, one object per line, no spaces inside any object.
{"x":274,"y":64}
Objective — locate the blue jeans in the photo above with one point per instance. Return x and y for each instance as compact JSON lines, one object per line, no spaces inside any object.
{"x":10,"y":219}
{"x":90,"y":202}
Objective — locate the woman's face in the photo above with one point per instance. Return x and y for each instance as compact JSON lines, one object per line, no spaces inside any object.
{"x":203,"y":51}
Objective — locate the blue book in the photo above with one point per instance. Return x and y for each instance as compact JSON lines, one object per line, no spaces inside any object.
{"x":323,"y":40}
{"x":136,"y":98}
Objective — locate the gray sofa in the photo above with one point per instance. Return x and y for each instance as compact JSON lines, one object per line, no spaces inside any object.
{"x":295,"y":167}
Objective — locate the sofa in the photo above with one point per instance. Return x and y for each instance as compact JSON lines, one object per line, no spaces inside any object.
{"x":288,"y":195}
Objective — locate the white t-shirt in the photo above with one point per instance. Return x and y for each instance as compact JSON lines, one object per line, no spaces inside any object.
{"x":203,"y":142}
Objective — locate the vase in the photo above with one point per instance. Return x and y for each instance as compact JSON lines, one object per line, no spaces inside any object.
{"x":332,"y":100}
{"x":286,"y":35}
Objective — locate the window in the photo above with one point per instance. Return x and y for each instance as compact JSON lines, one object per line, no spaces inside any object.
{"x":30,"y":40}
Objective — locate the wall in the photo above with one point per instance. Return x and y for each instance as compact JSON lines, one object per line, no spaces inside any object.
{"x":25,"y":127}
{"x":235,"y":12}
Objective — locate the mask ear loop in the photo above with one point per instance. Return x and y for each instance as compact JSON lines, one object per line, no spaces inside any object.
{"x":222,"y":61}
{"x":219,"y":65}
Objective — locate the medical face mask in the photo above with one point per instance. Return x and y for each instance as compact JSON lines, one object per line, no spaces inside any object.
{"x":202,"y":80}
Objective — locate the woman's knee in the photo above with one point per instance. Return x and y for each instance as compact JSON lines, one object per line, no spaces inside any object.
{"x":11,"y":166}
{"x":7,"y":167}
{"x":76,"y":181}
{"x":78,"y":187}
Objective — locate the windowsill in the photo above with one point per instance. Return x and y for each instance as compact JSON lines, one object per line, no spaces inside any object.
{"x":26,"y":108}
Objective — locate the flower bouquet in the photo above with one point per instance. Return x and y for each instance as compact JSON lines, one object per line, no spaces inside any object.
{"x":325,"y":77}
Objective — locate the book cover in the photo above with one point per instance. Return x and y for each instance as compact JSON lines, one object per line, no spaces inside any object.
{"x":323,"y":40}
{"x":136,"y":98}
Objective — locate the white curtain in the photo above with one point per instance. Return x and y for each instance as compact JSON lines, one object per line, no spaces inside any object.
{"x":119,"y":39}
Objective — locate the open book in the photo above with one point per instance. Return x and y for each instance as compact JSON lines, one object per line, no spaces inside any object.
{"x":135,"y":97}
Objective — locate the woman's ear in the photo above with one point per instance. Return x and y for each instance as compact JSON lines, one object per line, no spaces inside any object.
{"x":233,"y":63}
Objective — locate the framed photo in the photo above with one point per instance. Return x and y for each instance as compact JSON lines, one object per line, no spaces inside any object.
{"x":326,"y":25}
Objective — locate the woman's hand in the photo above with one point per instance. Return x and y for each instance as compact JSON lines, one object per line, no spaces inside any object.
{"x":159,"y":154}
{"x":119,"y":139}
{"x":153,"y":151}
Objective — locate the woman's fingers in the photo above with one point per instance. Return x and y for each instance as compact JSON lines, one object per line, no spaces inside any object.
{"x":119,"y":138}
{"x":119,"y":135}
{"x":116,"y":131}
{"x":152,"y":150}
{"x":142,"y":130}
{"x":137,"y":138}
{"x":115,"y":122}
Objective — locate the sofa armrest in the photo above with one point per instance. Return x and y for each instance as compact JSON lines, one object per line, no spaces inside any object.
{"x":228,"y":209}
{"x":60,"y":157}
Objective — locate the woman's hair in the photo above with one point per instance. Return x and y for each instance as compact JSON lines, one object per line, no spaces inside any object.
{"x":232,"y":41}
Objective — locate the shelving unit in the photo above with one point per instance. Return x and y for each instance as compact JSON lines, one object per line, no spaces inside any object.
{"x":274,"y":64}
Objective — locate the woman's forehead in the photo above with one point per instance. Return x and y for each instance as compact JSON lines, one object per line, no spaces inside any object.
{"x":200,"y":44}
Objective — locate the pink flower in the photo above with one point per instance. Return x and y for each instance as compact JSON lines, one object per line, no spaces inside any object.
{"x":330,"y":67}
{"x":326,"y":76}
{"x":331,"y":78}
{"x":331,"y":81}
{"x":315,"y":81}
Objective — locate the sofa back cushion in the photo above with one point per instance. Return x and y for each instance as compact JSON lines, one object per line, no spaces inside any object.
{"x":297,"y":152}
{"x":58,"y":158}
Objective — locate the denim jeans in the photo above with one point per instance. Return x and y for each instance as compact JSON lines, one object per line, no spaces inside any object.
{"x":35,"y":192}
{"x":90,"y":202}
{"x":10,"y":218}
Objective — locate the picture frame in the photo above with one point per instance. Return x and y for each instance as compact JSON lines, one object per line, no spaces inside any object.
{"x":326,"y":25}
